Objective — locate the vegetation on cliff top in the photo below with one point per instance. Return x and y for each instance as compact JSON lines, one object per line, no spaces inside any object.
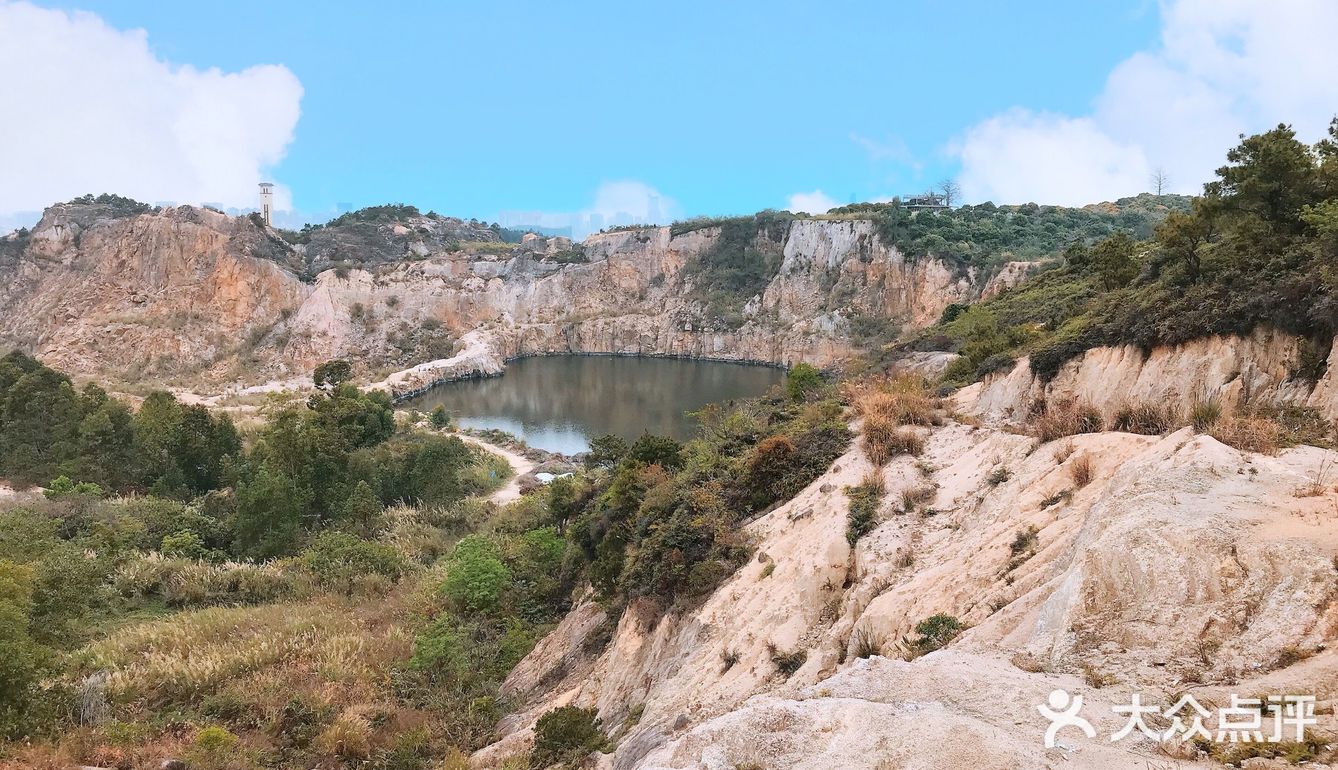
{"x":1258,"y":248}
{"x":747,"y":252}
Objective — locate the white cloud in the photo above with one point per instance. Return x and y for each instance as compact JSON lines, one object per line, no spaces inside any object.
{"x":1222,"y":68}
{"x":816,"y":202}
{"x":621,"y":202}
{"x":90,"y":108}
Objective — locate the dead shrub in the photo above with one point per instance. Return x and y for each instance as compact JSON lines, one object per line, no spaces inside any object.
{"x":1066,"y":418}
{"x":1081,"y":471}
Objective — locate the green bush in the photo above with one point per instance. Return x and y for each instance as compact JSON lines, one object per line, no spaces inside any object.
{"x":801,"y":381}
{"x":862,"y":517}
{"x":183,"y":545}
{"x":566,"y":735}
{"x":475,"y":576}
{"x":22,"y":660}
{"x":936,"y":632}
{"x":338,"y":560}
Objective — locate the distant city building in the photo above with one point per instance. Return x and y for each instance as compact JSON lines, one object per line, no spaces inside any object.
{"x":266,"y":201}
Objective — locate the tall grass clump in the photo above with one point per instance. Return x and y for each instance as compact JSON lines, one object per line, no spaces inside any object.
{"x":1066,"y":418}
{"x":1204,"y":413}
{"x":193,"y":583}
{"x":1248,"y":433}
{"x":862,"y":517}
{"x":901,"y":400}
{"x":1144,"y":417}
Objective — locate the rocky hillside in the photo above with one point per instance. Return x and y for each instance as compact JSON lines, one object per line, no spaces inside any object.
{"x":1103,"y":564}
{"x":187,"y":295}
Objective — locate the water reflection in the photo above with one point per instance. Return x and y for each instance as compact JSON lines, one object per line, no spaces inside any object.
{"x":559,"y":403}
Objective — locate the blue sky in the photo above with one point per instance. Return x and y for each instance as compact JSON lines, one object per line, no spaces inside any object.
{"x":476,"y":108}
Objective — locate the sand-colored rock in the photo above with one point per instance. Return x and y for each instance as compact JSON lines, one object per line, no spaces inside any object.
{"x":1183,"y":565}
{"x":189,"y":296}
{"x":1260,"y":368}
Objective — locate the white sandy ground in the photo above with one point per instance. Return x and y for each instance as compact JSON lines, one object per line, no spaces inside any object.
{"x":520,"y":465}
{"x":1185,"y":565}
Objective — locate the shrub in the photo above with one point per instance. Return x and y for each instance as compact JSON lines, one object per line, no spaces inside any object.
{"x":440,"y":418}
{"x":902,"y":400}
{"x":338,"y":560}
{"x":475,"y":576}
{"x":657,"y":450}
{"x":1248,"y":434}
{"x":62,"y":486}
{"x":787,"y":662}
{"x":1025,"y":541}
{"x":1066,"y":418}
{"x":183,"y":545}
{"x":802,"y":381}
{"x":566,"y":735}
{"x":914,"y":496}
{"x":21,"y":659}
{"x":1205,"y":413}
{"x":862,"y":517}
{"x":1146,"y":418}
{"x":213,"y":747}
{"x":867,"y":644}
{"x":936,"y":632}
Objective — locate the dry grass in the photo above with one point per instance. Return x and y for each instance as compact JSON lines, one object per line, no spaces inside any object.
{"x":1248,"y":434}
{"x":901,"y":400}
{"x":1063,"y":452}
{"x":913,"y":497}
{"x":887,"y":405}
{"x":1081,"y":470}
{"x":1146,"y":417}
{"x":193,"y":583}
{"x":883,"y":440}
{"x":1065,"y":418}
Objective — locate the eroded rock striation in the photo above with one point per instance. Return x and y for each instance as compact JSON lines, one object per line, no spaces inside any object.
{"x":185,"y":293}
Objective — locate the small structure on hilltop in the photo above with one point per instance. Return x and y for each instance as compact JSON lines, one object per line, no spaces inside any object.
{"x":266,"y":201}
{"x":926,"y":201}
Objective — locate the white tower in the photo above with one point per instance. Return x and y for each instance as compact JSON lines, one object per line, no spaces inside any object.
{"x":266,"y":200}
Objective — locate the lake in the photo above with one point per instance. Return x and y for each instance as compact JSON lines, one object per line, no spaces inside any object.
{"x":559,"y":403}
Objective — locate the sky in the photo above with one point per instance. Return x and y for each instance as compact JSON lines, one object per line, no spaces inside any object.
{"x":539,"y":110}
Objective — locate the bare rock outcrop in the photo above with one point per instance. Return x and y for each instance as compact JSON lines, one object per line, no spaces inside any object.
{"x":1267,"y":366}
{"x":1182,"y":565}
{"x":173,"y":294}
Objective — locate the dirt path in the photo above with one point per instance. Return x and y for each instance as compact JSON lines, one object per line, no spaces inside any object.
{"x":520,"y":464}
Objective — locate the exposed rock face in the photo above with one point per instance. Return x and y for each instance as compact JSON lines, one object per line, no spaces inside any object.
{"x":1264,"y":367}
{"x":159,"y":292}
{"x":182,"y":292}
{"x":1184,"y":565}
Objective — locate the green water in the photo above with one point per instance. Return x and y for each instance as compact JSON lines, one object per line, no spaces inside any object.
{"x":559,"y":403}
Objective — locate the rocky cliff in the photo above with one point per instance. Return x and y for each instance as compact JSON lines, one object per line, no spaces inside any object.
{"x":189,"y":296}
{"x":1266,"y":367}
{"x":1176,"y":565}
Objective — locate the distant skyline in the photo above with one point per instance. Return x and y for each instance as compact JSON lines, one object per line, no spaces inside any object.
{"x":598,"y":113}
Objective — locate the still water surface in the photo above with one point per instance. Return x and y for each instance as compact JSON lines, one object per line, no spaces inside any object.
{"x":559,"y":403}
